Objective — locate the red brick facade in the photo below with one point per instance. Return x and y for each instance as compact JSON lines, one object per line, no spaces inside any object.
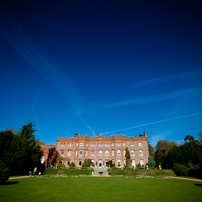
{"x":101,"y":149}
{"x":46,"y":153}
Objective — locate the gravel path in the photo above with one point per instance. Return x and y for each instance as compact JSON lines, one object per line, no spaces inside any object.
{"x":182,"y":178}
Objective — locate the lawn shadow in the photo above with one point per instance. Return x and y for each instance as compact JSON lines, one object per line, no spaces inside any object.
{"x":200,"y":185}
{"x":9,"y":182}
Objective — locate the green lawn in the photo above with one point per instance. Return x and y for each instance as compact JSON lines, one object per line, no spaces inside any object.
{"x":100,"y":189}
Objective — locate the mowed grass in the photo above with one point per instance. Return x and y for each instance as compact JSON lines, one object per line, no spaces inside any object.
{"x":100,"y":189}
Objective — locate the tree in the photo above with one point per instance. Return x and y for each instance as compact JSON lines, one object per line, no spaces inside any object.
{"x":151,"y":162}
{"x":164,"y":146}
{"x":151,"y":150}
{"x":140,"y":135}
{"x":128,"y":160}
{"x":200,"y":137}
{"x":188,"y":138}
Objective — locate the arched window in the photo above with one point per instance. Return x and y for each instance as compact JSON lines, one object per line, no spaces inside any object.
{"x":118,"y":152}
{"x":69,"y":152}
{"x":100,"y":144}
{"x":140,"y":144}
{"x":112,"y":152}
{"x":132,"y":144}
{"x":140,"y":153}
{"x":93,"y":144}
{"x":118,"y":144}
{"x":62,"y":152}
{"x":80,"y":153}
{"x":81,"y":143}
{"x":92,"y":153}
{"x":132,"y":152}
{"x":106,"y":153}
{"x":100,"y":153}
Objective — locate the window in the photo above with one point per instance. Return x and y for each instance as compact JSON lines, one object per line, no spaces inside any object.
{"x":118,"y":144}
{"x":100,"y":153}
{"x":70,"y":144}
{"x":132,"y":144}
{"x":69,"y":152}
{"x":141,"y":162}
{"x":140,"y":144}
{"x":76,"y":152}
{"x":93,"y":144}
{"x":42,"y":159}
{"x":63,"y":144}
{"x":140,"y":152}
{"x":80,"y":153}
{"x":92,"y":153}
{"x":68,"y":162}
{"x":132,"y":152}
{"x":124,"y":152}
{"x":112,"y":152}
{"x":107,"y":144}
{"x":86,"y":153}
{"x":107,"y":153}
{"x":119,"y":163}
{"x":118,"y":153}
{"x":81,"y":144}
{"x":86,"y":144}
{"x":76,"y":144}
{"x":112,"y":144}
{"x":62,"y":152}
{"x":124,"y":162}
{"x":124,"y":144}
{"x":100,"y":144}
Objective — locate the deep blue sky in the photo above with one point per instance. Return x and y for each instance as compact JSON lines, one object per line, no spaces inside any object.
{"x":102,"y":66}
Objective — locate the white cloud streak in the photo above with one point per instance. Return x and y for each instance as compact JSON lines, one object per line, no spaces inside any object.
{"x":156,"y":122}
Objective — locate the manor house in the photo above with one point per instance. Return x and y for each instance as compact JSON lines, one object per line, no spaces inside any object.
{"x":101,"y":149}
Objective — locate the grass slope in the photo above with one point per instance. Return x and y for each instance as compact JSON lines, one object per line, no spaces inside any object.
{"x":100,"y":189}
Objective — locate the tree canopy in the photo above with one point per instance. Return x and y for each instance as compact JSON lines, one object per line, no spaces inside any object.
{"x":19,"y":152}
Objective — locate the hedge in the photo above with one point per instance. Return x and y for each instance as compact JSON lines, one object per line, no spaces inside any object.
{"x":180,"y":169}
{"x":51,"y":171}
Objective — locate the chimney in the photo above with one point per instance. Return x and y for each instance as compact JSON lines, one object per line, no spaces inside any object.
{"x":145,"y":134}
{"x":76,"y":134}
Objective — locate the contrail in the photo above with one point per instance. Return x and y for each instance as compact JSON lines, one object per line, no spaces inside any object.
{"x":146,"y":124}
{"x":86,"y":124}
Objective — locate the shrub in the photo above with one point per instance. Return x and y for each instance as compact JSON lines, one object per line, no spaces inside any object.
{"x":72,"y":165}
{"x":138,"y":165}
{"x":4,"y":172}
{"x":180,"y":169}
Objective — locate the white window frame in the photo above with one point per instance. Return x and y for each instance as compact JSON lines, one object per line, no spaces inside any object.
{"x":140,"y":144}
{"x":118,"y":144}
{"x":112,"y":152}
{"x":118,"y":152}
{"x":100,"y":152}
{"x":124,"y":144}
{"x":80,"y":153}
{"x":100,"y":144}
{"x":62,"y":152}
{"x":63,"y":144}
{"x":69,"y":152}
{"x":86,"y":144}
{"x":93,"y":144}
{"x":107,"y":153}
{"x":107,"y":144}
{"x":112,"y":144}
{"x":86,"y":154}
{"x":92,"y":153}
{"x":81,"y":144}
{"x":132,"y":153}
{"x":132,"y":144}
{"x":140,"y":152}
{"x":70,"y":144}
